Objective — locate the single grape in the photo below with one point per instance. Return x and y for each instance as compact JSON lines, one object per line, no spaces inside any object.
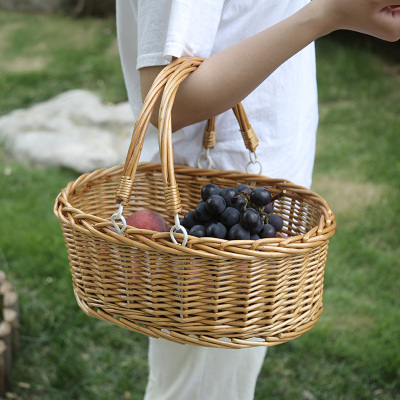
{"x":251,"y":220}
{"x":215,"y":204}
{"x":269,"y":208}
{"x":254,"y":236}
{"x":198,"y":231}
{"x":242,"y":187}
{"x":208,"y":190}
{"x":230,"y":216}
{"x":257,"y":228}
{"x":267,"y":231}
{"x":239,"y":202}
{"x":228,"y":194}
{"x":217,"y":230}
{"x":260,"y":196}
{"x":201,"y":213}
{"x":189,"y":220}
{"x":211,"y":221}
{"x":238,"y":232}
{"x":276,"y":221}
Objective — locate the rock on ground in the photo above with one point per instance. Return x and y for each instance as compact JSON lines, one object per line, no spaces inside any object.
{"x":75,"y":130}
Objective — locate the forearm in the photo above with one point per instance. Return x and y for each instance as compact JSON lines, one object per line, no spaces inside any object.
{"x":226,"y":78}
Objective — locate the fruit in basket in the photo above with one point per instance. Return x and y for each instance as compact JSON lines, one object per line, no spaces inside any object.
{"x":251,"y":220}
{"x":243,"y":188}
{"x":198,"y":230}
{"x":276,"y":221}
{"x":229,"y":195}
{"x":238,"y":232}
{"x":239,"y":213}
{"x":148,"y":219}
{"x":217,"y":230}
{"x":267,"y":231}
{"x":215,"y":204}
{"x":189,"y":220}
{"x":230,"y":216}
{"x":260,"y":197}
{"x":208,"y":190}
{"x":269,"y":208}
{"x":201,"y":213}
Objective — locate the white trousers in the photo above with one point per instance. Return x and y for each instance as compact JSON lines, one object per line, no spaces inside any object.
{"x":187,"y":372}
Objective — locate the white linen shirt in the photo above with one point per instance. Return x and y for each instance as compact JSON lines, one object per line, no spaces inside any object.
{"x":283,"y":110}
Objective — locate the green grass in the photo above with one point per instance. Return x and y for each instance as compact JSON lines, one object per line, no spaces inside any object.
{"x":42,"y":56}
{"x":353,"y":353}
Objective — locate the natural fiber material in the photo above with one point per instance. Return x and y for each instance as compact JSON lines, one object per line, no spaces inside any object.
{"x":211,"y":292}
{"x":209,"y":140}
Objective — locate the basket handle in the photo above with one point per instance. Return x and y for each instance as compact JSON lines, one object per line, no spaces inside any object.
{"x":249,"y":137}
{"x":167,"y":83}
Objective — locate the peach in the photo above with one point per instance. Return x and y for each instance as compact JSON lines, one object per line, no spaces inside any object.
{"x":148,"y":219}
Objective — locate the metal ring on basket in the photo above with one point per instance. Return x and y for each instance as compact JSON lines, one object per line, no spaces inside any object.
{"x":119,"y":215}
{"x":253,"y":161}
{"x":206,"y":157}
{"x":175,"y":228}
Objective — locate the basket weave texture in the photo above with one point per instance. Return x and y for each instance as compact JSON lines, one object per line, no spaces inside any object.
{"x":209,"y":292}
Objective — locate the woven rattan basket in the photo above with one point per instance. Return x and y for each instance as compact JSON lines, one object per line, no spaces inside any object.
{"x":208,"y":292}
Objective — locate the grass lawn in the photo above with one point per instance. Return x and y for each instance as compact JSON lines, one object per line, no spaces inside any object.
{"x":353,"y":353}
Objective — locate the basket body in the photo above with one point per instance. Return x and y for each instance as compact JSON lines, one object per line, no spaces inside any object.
{"x":211,"y":292}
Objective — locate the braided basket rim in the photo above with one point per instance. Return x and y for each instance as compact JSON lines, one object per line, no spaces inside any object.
{"x":68,"y":214}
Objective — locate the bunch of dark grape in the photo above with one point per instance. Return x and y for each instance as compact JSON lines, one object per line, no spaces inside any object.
{"x":239,"y":213}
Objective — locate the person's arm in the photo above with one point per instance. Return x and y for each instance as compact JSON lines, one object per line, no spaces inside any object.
{"x":226,"y":78}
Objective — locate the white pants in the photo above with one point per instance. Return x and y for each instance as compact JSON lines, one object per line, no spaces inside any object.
{"x":187,"y":372}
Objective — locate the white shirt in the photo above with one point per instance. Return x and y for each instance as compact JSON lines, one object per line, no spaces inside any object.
{"x":282,"y":110}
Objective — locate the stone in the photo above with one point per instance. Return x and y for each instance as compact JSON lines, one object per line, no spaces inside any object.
{"x":74,"y":130}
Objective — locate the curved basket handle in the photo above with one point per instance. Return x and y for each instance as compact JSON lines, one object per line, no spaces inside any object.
{"x":249,"y":137}
{"x":167,"y":83}
{"x":209,"y":140}
{"x":248,"y":134}
{"x":142,"y":122}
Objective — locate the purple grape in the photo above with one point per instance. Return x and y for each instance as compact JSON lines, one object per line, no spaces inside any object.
{"x":269,"y":208}
{"x":242,"y":187}
{"x":201,"y":213}
{"x":254,"y":236}
{"x":267,"y":231}
{"x":208,"y":190}
{"x":251,"y":220}
{"x":211,"y":221}
{"x":198,"y":231}
{"x":239,"y":202}
{"x":189,"y":220}
{"x":229,"y":194}
{"x":260,"y":196}
{"x":238,"y":232}
{"x":215,"y":204}
{"x":230,"y":216}
{"x":217,"y":230}
{"x":276,"y":221}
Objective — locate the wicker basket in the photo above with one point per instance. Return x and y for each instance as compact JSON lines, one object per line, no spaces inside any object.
{"x":208,"y":292}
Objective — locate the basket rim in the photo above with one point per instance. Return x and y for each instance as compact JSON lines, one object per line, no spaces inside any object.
{"x":93,"y":225}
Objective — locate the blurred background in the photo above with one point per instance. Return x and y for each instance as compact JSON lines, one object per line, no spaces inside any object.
{"x":64,"y":111}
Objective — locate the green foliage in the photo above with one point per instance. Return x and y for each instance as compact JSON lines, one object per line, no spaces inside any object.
{"x":353,"y":351}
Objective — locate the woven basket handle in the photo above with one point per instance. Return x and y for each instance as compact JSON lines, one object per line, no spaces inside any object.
{"x":167,"y":83}
{"x":249,"y":137}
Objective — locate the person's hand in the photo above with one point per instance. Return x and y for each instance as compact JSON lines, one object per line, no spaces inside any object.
{"x":377,"y":18}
